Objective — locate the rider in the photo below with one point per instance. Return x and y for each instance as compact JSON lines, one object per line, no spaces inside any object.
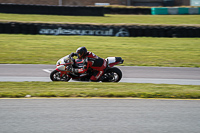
{"x":90,"y":61}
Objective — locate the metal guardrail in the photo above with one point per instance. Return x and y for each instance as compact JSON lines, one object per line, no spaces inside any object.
{"x":174,"y":11}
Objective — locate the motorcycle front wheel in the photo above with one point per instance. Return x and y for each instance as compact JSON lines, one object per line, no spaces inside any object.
{"x":55,"y":76}
{"x":112,"y":75}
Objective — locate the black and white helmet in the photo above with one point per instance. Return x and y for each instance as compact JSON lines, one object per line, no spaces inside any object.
{"x":81,"y":52}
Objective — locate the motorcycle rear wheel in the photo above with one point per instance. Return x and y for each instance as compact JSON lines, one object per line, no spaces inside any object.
{"x":55,"y":76}
{"x":112,"y":75}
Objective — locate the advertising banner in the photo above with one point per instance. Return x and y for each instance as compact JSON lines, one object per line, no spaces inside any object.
{"x":89,"y":31}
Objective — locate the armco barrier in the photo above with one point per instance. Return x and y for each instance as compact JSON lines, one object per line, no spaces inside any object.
{"x":194,"y":10}
{"x":52,"y":10}
{"x":159,"y":11}
{"x":183,"y":10}
{"x":174,"y":10}
{"x":99,"y":30}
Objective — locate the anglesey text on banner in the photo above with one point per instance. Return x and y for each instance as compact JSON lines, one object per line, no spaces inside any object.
{"x":92,"y":31}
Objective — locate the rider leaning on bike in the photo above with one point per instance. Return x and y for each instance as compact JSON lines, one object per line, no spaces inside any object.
{"x":90,"y":61}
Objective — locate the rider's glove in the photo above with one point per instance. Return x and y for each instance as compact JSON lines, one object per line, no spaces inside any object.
{"x":73,"y":54}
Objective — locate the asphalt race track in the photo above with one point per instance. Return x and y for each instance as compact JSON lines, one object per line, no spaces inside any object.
{"x":81,"y":115}
{"x":99,"y":116}
{"x":131,"y":74}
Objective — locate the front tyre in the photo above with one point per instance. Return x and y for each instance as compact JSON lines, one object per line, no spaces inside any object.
{"x":56,"y":76}
{"x":112,"y":75}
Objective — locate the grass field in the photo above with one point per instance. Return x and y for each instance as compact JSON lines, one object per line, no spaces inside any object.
{"x":81,"y":89}
{"x":108,"y":18}
{"x":140,"y":51}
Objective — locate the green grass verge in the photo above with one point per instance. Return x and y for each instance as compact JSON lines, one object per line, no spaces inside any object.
{"x":108,"y":19}
{"x":140,"y":51}
{"x":82,"y":89}
{"x":38,"y":49}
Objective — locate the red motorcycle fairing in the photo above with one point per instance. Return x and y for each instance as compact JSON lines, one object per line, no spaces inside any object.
{"x":78,"y":61}
{"x":65,"y":64}
{"x":62,"y":72}
{"x":70,"y":75}
{"x":112,"y":74}
{"x":112,"y":64}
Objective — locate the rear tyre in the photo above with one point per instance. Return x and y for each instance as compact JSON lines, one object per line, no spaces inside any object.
{"x":112,"y":75}
{"x":55,"y":76}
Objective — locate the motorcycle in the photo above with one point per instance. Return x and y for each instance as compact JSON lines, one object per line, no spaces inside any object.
{"x":62,"y":73}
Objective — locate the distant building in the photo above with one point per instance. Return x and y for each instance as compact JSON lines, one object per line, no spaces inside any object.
{"x":195,"y":2}
{"x":106,"y":2}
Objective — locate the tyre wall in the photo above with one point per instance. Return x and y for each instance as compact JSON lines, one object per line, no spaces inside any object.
{"x":99,"y":30}
{"x":110,"y":10}
{"x":52,"y":10}
{"x":69,"y":10}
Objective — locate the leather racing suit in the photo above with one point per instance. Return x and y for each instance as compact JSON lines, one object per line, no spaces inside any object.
{"x":94,"y":62}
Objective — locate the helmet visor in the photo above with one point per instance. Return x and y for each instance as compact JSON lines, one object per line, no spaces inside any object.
{"x":80,"y":55}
